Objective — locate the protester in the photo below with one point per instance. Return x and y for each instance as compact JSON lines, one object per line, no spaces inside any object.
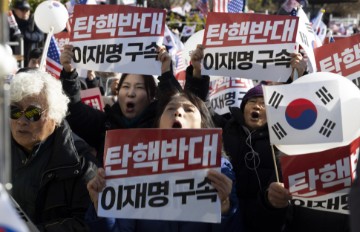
{"x":50,"y":165}
{"x":31,"y":34}
{"x":136,"y":106}
{"x":264,"y":200}
{"x":178,"y":110}
{"x":246,"y":141}
{"x":35,"y":58}
{"x":355,"y":202}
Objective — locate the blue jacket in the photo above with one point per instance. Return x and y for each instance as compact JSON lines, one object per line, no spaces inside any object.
{"x":229,"y":223}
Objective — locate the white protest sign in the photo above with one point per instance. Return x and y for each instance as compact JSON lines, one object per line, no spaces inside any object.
{"x":160,"y":174}
{"x":251,"y":46}
{"x":306,"y":38}
{"x":228,"y":92}
{"x":101,"y":45}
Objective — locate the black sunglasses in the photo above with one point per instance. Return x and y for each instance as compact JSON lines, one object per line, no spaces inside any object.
{"x":32,"y":113}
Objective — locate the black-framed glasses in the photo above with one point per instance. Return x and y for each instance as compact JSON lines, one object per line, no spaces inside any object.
{"x":31,"y":113}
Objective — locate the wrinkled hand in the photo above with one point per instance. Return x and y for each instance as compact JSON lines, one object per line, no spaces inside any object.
{"x":278,"y":196}
{"x":196,"y":59}
{"x":165,"y":59}
{"x":96,"y":185}
{"x":297,"y":62}
{"x":66,"y":57}
{"x":223,"y":185}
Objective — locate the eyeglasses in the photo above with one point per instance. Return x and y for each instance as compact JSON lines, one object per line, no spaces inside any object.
{"x":32,"y":113}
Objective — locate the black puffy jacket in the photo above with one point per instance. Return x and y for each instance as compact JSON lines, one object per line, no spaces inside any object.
{"x":50,"y":185}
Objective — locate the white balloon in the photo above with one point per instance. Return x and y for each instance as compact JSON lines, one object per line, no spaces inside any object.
{"x":8,"y":64}
{"x":350,"y":114}
{"x":191,"y":45}
{"x":51,"y":14}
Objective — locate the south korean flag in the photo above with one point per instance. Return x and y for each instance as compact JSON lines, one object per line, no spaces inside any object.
{"x":303,"y":113}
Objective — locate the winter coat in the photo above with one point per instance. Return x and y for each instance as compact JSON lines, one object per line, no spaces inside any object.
{"x":91,"y":124}
{"x":50,"y":183}
{"x":251,"y":156}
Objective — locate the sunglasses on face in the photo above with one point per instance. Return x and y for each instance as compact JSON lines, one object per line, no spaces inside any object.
{"x":32,"y":113}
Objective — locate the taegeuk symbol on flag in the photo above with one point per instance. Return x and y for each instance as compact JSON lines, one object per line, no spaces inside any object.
{"x":304,"y":113}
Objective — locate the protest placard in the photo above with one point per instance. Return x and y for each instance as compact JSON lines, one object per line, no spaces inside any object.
{"x":322,"y":180}
{"x":252,"y":46}
{"x":341,"y":57}
{"x":228,"y":92}
{"x":117,"y":38}
{"x":160,"y":174}
{"x":93,"y":98}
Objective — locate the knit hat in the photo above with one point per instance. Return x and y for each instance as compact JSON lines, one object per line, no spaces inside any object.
{"x":21,"y":4}
{"x":256,"y":91}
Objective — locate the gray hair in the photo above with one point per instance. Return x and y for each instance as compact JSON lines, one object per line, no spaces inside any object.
{"x":35,"y":82}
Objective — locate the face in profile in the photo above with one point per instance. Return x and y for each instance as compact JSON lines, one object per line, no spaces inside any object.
{"x":180,"y":113}
{"x":255,"y":113}
{"x":32,"y":125}
{"x":133,"y":98}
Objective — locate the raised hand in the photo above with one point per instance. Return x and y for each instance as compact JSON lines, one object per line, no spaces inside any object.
{"x":196,"y":59}
{"x":165,"y":59}
{"x":66,"y":57}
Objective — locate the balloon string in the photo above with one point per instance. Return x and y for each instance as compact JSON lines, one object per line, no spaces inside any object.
{"x":46,"y":48}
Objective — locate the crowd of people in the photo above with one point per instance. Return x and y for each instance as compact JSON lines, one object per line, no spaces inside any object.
{"x":57,"y":146}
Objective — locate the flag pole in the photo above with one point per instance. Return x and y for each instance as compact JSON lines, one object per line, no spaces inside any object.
{"x":5,"y":158}
{"x":295,"y":74}
{"x":46,"y":48}
{"x":275,"y":165}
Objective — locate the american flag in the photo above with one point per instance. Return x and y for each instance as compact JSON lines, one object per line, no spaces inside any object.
{"x":228,"y":6}
{"x":53,"y":65}
{"x":202,"y":5}
{"x":80,"y":2}
{"x":179,"y":62}
{"x":235,"y":6}
{"x":293,"y":12}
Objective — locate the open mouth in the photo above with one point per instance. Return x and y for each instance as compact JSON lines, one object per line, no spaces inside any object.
{"x":130,"y":107}
{"x":255,"y":115}
{"x":176,"y":125}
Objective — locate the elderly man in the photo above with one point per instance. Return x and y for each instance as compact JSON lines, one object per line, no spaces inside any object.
{"x":50,"y":165}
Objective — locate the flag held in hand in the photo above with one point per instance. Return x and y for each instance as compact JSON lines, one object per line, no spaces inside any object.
{"x":318,"y":108}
